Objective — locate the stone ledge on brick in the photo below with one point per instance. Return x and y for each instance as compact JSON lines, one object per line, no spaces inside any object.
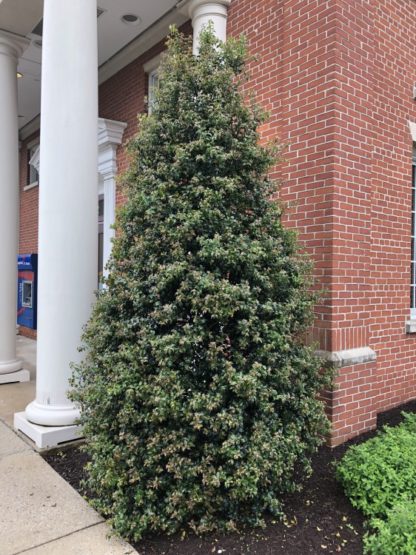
{"x":411,"y":326}
{"x":348,"y":357}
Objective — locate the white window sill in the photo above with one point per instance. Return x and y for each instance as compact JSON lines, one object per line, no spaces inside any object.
{"x":31,"y":186}
{"x":411,"y":326}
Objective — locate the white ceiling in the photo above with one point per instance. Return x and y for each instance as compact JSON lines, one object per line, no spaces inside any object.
{"x":21,"y":17}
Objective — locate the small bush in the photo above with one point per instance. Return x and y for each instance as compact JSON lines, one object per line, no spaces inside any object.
{"x":396,"y":535}
{"x":381,"y":472}
{"x":198,"y":394}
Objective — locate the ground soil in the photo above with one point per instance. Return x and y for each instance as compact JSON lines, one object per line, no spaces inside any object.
{"x":319,"y":519}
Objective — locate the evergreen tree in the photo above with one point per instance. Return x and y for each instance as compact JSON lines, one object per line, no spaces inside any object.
{"x":198,"y":396}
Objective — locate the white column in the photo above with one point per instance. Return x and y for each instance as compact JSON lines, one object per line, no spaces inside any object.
{"x":204,"y":11}
{"x":68,"y":202}
{"x":11,"y":47}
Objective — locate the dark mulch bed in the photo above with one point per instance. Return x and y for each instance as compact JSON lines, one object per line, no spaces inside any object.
{"x":319,"y":519}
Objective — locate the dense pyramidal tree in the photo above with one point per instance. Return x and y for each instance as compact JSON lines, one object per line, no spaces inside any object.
{"x":198,"y":396}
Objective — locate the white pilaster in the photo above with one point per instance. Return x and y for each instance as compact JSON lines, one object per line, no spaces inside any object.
{"x":11,"y":47}
{"x":67,"y":204}
{"x":110,"y":135}
{"x":204,"y":11}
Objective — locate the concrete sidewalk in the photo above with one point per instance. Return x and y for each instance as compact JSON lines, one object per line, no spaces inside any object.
{"x":40,"y":513}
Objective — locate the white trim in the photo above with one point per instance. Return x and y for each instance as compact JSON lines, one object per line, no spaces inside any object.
{"x":31,"y":186}
{"x":110,"y":135}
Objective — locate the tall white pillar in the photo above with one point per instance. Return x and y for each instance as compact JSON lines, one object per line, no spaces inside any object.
{"x":11,"y":47}
{"x":68,"y":208}
{"x":204,"y":11}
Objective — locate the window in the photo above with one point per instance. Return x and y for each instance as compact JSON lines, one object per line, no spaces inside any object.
{"x":153,"y":85}
{"x":32,"y":158}
{"x":152,"y":69}
{"x":413,"y":242}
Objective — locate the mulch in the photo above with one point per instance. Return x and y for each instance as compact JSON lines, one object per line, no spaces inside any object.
{"x":319,"y":519}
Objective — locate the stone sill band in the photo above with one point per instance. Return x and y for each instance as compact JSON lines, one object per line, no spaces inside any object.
{"x":348,"y":357}
{"x":411,"y":326}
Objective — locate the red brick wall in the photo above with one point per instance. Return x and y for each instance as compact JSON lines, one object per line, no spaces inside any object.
{"x":376,"y":54}
{"x":336,"y":77}
{"x":28,"y":221}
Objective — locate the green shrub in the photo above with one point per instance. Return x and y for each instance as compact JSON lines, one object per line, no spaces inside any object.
{"x":198,"y":395}
{"x":381,"y":472}
{"x":396,"y":535}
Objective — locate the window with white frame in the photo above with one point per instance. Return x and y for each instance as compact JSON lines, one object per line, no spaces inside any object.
{"x":32,"y":172}
{"x":152,"y":69}
{"x":152,"y":88}
{"x":413,"y":241}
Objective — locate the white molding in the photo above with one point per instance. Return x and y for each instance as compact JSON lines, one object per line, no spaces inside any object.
{"x":348,"y":357}
{"x":110,"y":136}
{"x":110,"y":131}
{"x":12,"y":45}
{"x":31,"y":186}
{"x":188,"y":7}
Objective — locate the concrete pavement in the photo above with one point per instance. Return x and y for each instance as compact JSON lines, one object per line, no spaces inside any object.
{"x":40,"y":513}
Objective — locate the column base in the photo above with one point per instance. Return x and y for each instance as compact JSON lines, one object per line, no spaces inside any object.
{"x":9,"y":366}
{"x":51,"y":415}
{"x":13,"y":377}
{"x":46,"y":437}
